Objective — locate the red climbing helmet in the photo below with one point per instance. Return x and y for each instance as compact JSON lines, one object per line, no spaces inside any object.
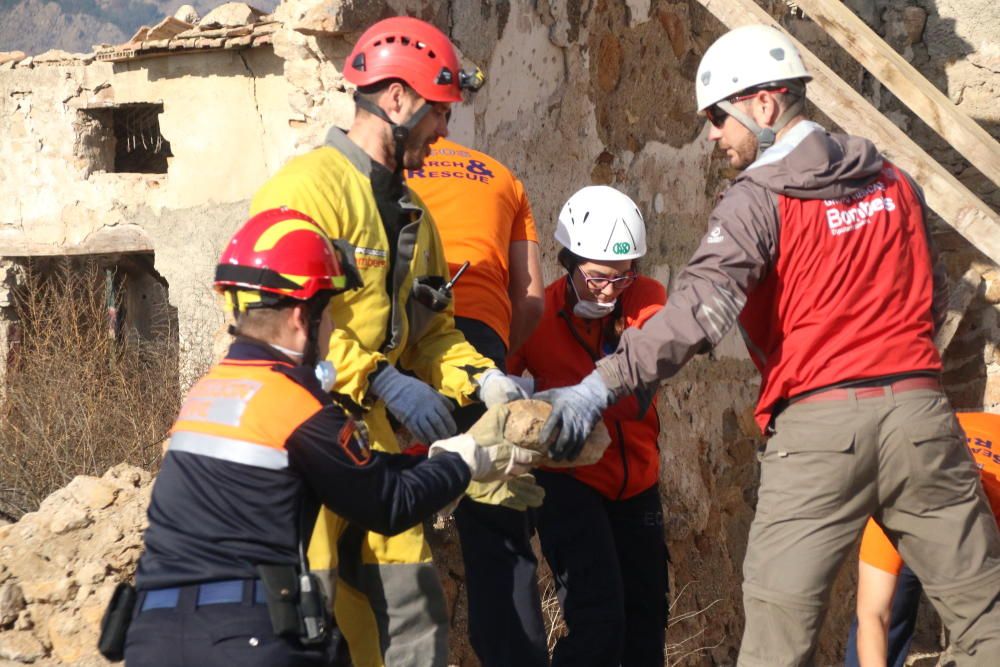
{"x":413,"y":51}
{"x":278,"y":254}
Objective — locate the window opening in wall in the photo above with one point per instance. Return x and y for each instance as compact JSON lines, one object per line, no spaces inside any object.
{"x":139,"y":146}
{"x":123,"y":139}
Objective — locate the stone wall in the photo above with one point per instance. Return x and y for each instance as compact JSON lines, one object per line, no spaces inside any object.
{"x":579,"y":92}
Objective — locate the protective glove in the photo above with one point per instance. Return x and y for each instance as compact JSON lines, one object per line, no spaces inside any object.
{"x":488,"y":463}
{"x":495,"y":388}
{"x":518,"y":493}
{"x":575,"y":410}
{"x":423,"y":411}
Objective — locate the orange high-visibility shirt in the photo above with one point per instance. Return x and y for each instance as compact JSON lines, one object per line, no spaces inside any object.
{"x":479,"y":207}
{"x":982,"y":432}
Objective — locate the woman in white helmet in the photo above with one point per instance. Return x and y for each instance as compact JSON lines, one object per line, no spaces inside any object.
{"x":601,"y":526}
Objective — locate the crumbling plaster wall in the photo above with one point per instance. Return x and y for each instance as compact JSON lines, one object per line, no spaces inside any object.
{"x":226,"y":118}
{"x":579,"y":92}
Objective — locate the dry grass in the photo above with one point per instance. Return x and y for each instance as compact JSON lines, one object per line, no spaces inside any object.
{"x":676,"y":653}
{"x":78,"y":397}
{"x":555,"y":626}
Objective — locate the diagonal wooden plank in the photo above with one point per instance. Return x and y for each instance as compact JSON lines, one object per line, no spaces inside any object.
{"x":906,"y":83}
{"x":954,"y":202}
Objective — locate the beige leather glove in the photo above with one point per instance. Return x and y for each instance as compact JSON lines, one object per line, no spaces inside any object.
{"x":489,"y":461}
{"x":518,"y":493}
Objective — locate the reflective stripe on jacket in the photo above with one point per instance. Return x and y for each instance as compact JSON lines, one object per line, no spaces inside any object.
{"x":257,"y":447}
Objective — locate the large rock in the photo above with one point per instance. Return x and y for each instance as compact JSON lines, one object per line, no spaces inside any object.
{"x":336,"y":17}
{"x":230,"y":15}
{"x":187,"y":13}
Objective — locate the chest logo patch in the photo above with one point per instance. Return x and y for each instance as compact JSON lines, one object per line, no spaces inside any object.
{"x":370,"y":258}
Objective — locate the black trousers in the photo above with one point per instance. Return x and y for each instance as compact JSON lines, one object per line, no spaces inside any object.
{"x":609,"y":560}
{"x":214,"y":635}
{"x":505,"y":613}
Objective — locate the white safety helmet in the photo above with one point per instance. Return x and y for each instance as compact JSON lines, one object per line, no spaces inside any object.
{"x":601,"y":223}
{"x":748,"y":56}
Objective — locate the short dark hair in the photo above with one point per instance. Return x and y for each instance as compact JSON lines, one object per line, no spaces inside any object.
{"x":372,"y":91}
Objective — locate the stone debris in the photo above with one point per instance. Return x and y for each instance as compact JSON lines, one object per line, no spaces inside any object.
{"x":520,"y":422}
{"x":59,"y":565}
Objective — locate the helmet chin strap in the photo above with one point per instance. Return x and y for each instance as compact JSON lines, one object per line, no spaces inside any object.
{"x":314,"y":312}
{"x":400,"y":131}
{"x":766,"y":136}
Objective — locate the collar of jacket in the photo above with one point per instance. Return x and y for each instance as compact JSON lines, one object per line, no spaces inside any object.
{"x":250,"y":349}
{"x":337,"y":138}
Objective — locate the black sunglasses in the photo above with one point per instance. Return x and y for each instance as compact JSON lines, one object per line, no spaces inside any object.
{"x":717,"y":116}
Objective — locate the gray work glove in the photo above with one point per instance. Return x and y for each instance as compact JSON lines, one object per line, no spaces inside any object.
{"x":488,"y":462}
{"x":423,"y":411}
{"x":518,"y":493}
{"x":495,"y":388}
{"x":575,"y":411}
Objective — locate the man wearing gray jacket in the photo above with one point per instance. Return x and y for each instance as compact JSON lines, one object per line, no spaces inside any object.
{"x":820,"y":250}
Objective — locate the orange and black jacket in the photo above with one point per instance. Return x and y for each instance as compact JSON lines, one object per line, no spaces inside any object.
{"x":258,"y":446}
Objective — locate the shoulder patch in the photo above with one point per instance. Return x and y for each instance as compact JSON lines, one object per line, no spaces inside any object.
{"x":353,"y":439}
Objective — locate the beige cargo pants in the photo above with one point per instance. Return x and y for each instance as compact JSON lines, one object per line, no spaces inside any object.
{"x":830,"y":464}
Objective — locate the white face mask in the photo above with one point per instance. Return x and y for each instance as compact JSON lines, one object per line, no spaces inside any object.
{"x":590,"y":310}
{"x":326,"y":373}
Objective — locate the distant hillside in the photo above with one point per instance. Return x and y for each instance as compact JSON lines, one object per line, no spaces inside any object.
{"x":34,"y":26}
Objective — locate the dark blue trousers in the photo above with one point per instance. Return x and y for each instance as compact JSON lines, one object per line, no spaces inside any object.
{"x":505,"y":612}
{"x":609,"y":560}
{"x":902,"y":622}
{"x":220,"y":634}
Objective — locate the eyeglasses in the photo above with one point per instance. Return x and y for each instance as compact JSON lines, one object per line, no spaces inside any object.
{"x":598,"y":283}
{"x":717,"y":116}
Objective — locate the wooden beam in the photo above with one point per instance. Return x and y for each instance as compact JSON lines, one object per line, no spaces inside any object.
{"x":954,"y":202}
{"x":906,"y":83}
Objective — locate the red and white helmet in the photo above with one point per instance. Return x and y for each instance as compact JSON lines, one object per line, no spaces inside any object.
{"x":278,"y":254}
{"x":413,"y":51}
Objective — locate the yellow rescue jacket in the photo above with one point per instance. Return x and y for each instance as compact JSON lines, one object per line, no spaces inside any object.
{"x":376,"y":325}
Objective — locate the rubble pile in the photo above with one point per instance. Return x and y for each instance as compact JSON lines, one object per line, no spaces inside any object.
{"x":59,"y":566}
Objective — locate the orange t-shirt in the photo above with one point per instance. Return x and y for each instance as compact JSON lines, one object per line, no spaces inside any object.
{"x":982,"y":431}
{"x":479,"y":208}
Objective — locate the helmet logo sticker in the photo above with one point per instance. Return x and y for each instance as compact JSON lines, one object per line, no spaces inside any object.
{"x":777,"y":54}
{"x":622,"y":247}
{"x":705,"y":78}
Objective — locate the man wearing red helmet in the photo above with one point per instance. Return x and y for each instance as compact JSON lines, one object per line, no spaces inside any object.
{"x":397,"y":352}
{"x":257,"y":448}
